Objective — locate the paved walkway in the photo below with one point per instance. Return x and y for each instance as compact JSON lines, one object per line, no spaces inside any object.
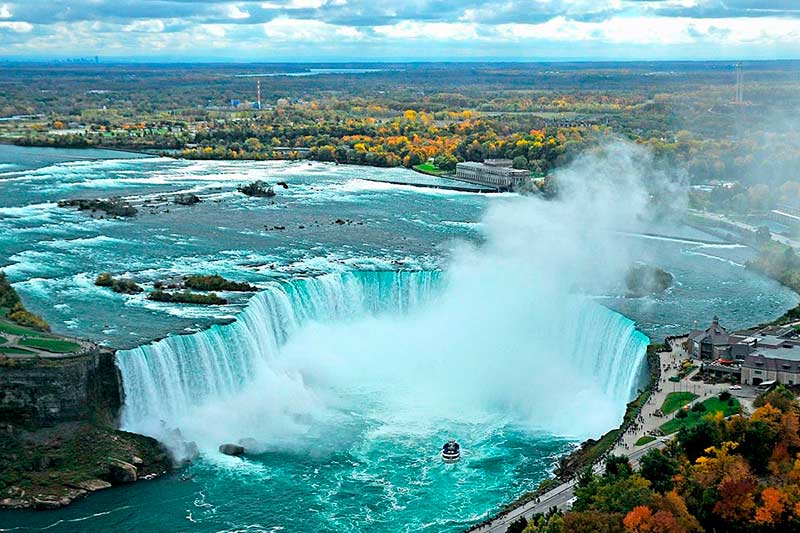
{"x":648,"y":421}
{"x":650,"y":418}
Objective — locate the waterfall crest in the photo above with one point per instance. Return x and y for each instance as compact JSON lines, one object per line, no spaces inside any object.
{"x":407,"y":337}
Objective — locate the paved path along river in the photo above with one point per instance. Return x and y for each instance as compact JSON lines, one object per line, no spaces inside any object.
{"x":648,"y":421}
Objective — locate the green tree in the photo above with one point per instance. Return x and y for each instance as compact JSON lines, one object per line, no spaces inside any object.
{"x":659,"y":470}
{"x":520,"y":162}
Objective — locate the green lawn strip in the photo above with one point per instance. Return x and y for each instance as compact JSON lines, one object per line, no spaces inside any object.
{"x":11,"y":350}
{"x":645,"y":440}
{"x":676,"y":400}
{"x":713,"y":405}
{"x":51,"y":345}
{"x":427,"y":168}
{"x":3,"y":340}
{"x":13,"y":329}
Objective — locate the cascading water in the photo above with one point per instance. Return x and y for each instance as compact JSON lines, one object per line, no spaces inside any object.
{"x":302,"y":348}
{"x":166,"y":380}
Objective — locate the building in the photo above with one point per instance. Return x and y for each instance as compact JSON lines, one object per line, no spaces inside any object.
{"x":710,"y":343}
{"x":496,"y":173}
{"x":773,"y":359}
{"x":756,"y":359}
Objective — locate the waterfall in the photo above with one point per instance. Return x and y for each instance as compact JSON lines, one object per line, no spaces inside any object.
{"x":408,"y":336}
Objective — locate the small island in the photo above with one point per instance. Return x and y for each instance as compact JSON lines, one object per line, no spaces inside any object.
{"x":258,"y":189}
{"x":113,"y":207}
{"x":646,"y":280}
{"x":122,"y":286}
{"x":186,"y":297}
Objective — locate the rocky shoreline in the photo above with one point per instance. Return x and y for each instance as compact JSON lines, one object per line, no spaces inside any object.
{"x":50,"y":468}
{"x":59,"y":436}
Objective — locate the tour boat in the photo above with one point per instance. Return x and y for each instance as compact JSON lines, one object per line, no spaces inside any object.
{"x":451,"y":451}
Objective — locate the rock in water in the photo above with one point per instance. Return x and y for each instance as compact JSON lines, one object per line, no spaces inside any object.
{"x":232,"y":449}
{"x":250,"y":445}
{"x":122,"y":472}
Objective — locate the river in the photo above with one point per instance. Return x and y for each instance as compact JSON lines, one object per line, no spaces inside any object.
{"x":387,"y":321}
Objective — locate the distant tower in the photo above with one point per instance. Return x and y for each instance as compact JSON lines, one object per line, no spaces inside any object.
{"x":739,"y":98}
{"x":258,"y":95}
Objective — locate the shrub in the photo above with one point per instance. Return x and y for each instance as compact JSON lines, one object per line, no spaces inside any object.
{"x":724,"y":396}
{"x":217,"y":283}
{"x":518,"y":525}
{"x":8,"y":296}
{"x":186,"y":297}
{"x":104,"y":280}
{"x":25,"y":318}
{"x":681,"y":413}
{"x":123,"y":286}
{"x":699,"y":408}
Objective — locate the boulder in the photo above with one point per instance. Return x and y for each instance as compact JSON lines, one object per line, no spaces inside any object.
{"x":232,"y":449}
{"x":45,"y":503}
{"x":92,"y":485}
{"x":122,"y":472}
{"x":250,"y":445}
{"x":137,"y":461}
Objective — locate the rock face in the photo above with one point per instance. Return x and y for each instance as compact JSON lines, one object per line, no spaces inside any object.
{"x":232,"y":449}
{"x":43,"y":395}
{"x":122,"y":472}
{"x":93,"y":485}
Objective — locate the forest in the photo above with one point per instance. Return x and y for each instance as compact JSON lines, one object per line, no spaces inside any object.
{"x":538,"y":114}
{"x":735,"y":474}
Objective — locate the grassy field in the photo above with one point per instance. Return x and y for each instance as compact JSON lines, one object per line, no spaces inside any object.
{"x":430,"y":168}
{"x":51,"y":345}
{"x":713,"y":405}
{"x":3,"y":340}
{"x":676,"y":400}
{"x":644,"y":440}
{"x":13,"y":329}
{"x":11,"y":350}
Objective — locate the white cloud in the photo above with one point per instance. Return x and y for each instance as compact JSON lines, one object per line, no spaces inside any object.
{"x":214,"y":30}
{"x":300,"y":4}
{"x":656,"y":30}
{"x":447,"y":31}
{"x":16,"y":26}
{"x":5,"y":11}
{"x":289,"y":29}
{"x":235,"y":12}
{"x":145,"y":26}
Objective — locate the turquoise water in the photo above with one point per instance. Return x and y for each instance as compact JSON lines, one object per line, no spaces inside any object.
{"x":371,"y":343}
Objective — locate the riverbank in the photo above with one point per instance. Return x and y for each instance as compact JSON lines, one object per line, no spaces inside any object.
{"x":588,"y":454}
{"x":59,"y":403}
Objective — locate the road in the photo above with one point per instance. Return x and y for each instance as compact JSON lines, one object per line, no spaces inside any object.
{"x":647,"y":422}
{"x":742,"y":225}
{"x":560,"y":497}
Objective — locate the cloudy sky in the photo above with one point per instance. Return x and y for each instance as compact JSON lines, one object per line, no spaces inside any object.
{"x":353,"y":30}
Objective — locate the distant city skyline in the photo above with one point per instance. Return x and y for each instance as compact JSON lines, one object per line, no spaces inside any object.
{"x":391,"y":30}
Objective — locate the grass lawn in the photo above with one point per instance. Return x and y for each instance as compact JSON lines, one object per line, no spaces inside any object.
{"x":429,"y":168}
{"x":11,"y":350}
{"x":8,"y":327}
{"x":51,"y":345}
{"x":644,"y":440}
{"x":676,"y":400}
{"x":3,"y":340}
{"x":713,"y":405}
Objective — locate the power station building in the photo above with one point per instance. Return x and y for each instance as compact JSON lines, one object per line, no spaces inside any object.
{"x":496,"y":173}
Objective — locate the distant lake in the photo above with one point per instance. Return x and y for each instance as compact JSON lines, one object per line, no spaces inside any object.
{"x":319,"y":71}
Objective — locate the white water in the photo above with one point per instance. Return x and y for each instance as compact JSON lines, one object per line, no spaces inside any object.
{"x":506,"y":332}
{"x":303,"y":353}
